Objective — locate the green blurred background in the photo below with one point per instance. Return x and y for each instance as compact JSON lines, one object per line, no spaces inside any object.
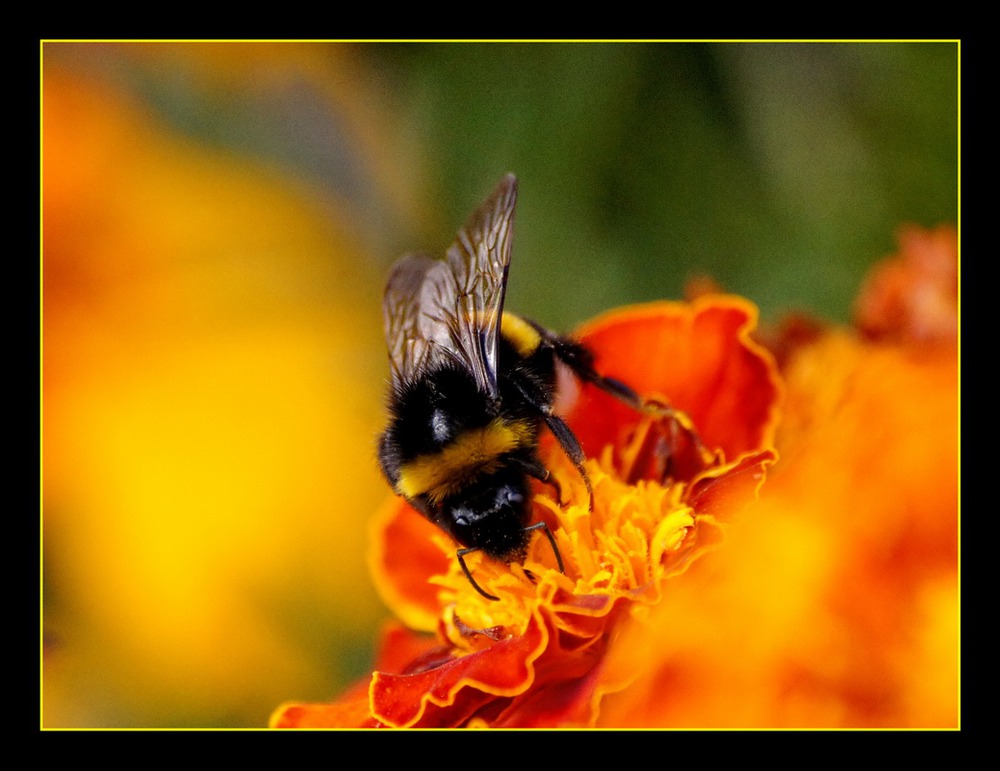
{"x":781,"y":170}
{"x":279,"y":182}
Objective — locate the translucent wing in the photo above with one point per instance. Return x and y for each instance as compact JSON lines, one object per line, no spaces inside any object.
{"x":414,"y":337}
{"x":451,"y":309}
{"x":479,"y":260}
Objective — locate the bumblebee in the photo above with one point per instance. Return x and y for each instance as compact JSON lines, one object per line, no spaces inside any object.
{"x":471,"y":388}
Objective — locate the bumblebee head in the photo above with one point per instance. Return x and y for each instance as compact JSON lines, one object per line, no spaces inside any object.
{"x":491,"y":516}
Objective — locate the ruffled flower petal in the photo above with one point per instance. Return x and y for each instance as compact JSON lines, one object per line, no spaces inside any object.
{"x":699,"y":357}
{"x":405,"y":551}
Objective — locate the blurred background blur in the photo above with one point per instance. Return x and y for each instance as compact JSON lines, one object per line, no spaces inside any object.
{"x":218,"y":220}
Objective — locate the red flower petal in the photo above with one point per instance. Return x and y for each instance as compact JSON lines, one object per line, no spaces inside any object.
{"x":404,"y":554}
{"x":721,"y":492}
{"x":350,"y":711}
{"x":451,"y":692}
{"x":699,"y":356}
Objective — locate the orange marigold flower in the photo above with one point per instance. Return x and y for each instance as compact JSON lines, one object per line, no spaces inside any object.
{"x":913,"y":297}
{"x":664,"y":484}
{"x":835,"y":604}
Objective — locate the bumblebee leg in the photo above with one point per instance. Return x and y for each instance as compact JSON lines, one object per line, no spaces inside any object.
{"x":581,"y":362}
{"x":465,"y":569}
{"x":619,"y":390}
{"x":567,"y":440}
{"x":534,"y":468}
{"x":559,"y":429}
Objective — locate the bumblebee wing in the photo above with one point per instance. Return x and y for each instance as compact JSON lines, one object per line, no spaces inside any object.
{"x":478,"y":262}
{"x":440,"y":310}
{"x":414,"y":330}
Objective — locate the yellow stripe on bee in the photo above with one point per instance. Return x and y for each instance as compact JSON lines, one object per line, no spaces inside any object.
{"x":474,"y":452}
{"x":520,"y":334}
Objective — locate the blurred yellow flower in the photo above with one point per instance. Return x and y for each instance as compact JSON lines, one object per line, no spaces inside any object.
{"x":211,"y":389}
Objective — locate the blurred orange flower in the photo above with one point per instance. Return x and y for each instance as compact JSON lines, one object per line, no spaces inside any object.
{"x":662,"y":493}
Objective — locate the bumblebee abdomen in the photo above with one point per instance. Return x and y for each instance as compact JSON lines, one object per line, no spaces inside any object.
{"x":520,"y":334}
